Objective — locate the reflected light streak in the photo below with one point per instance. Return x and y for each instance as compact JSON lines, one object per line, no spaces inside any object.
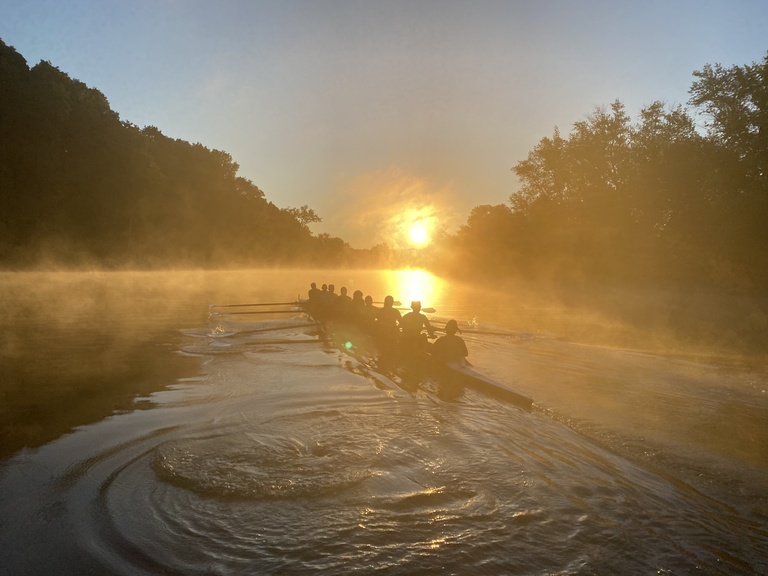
{"x":409,"y":285}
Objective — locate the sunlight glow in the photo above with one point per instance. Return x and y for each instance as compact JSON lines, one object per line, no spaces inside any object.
{"x":409,"y":285}
{"x":402,"y":200}
{"x":418,"y":234}
{"x":415,"y":227}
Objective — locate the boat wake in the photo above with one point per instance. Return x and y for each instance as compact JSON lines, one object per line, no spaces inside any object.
{"x":298,"y":458}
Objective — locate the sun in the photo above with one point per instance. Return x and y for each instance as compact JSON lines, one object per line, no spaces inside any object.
{"x":413,"y":228}
{"x":418,"y":234}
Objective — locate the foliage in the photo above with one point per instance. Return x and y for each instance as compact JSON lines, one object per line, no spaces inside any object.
{"x":305,"y":215}
{"x":658,"y":202}
{"x":79,"y":186}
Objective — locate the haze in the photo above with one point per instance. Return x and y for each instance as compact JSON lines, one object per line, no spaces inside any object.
{"x":364,"y":109}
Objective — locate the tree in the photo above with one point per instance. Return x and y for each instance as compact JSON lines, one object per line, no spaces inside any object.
{"x":78,"y":185}
{"x":735,"y":102}
{"x":573,"y":200}
{"x":619,"y":201}
{"x":305,"y":215}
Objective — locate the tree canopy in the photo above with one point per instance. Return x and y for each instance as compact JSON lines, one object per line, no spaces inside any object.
{"x":661,"y":201}
{"x":675,"y":198}
{"x":80,"y":186}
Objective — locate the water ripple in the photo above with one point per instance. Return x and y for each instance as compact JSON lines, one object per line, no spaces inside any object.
{"x":295,"y":463}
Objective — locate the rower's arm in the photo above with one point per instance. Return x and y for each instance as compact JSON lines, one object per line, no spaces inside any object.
{"x":428,"y":326}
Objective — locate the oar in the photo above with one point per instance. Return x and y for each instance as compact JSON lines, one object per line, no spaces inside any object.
{"x":480,"y":332}
{"x":271,"y":342}
{"x":523,"y":335}
{"x":425,"y":310}
{"x":291,"y":327}
{"x":257,"y":312}
{"x":294,"y":303}
{"x":258,"y":304}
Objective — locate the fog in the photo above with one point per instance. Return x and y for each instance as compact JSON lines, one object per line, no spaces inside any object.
{"x":79,"y":347}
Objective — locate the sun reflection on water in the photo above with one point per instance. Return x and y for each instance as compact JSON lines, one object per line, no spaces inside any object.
{"x":409,"y":285}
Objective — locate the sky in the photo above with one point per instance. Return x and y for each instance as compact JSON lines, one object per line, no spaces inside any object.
{"x":377,"y":114}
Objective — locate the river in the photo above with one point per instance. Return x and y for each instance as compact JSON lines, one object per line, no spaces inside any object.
{"x":145,"y":433}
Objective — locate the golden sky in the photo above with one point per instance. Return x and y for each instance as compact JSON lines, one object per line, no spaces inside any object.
{"x":368,"y":111}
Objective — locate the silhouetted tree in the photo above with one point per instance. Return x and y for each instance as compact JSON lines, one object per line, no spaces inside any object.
{"x":305,"y":215}
{"x":655,"y":202}
{"x":79,"y":185}
{"x":735,"y":101}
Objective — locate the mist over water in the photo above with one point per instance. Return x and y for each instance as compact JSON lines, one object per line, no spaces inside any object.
{"x":143,"y":435}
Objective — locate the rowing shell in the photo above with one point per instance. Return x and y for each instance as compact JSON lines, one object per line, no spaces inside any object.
{"x":463,"y":375}
{"x":453,"y":373}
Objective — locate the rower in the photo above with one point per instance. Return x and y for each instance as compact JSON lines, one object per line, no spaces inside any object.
{"x":357,"y":300}
{"x":343,"y":306}
{"x":450,"y":349}
{"x":314,"y":304}
{"x":388,"y":321}
{"x":414,"y":321}
{"x":314,"y":291}
{"x":412,"y":340}
{"x":367,"y":316}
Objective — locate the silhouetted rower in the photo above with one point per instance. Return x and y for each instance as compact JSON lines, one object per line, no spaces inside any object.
{"x":412,"y":339}
{"x":450,"y":348}
{"x":388,"y":326}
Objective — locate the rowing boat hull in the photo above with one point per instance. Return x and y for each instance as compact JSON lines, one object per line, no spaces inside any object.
{"x":464,"y":375}
{"x":413,"y":368}
{"x":414,"y":365}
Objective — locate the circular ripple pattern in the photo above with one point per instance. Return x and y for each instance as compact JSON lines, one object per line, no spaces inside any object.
{"x":346,"y":481}
{"x":259,"y":466}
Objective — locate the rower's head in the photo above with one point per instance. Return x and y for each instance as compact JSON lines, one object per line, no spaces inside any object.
{"x":415,"y":305}
{"x":369,"y":300}
{"x":389,"y":301}
{"x":451,"y":327}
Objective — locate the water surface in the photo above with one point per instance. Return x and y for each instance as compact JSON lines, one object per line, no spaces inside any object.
{"x":144,"y":436}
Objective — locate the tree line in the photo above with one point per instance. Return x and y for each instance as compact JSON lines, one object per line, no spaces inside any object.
{"x":677,"y":198}
{"x":79,"y":186}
